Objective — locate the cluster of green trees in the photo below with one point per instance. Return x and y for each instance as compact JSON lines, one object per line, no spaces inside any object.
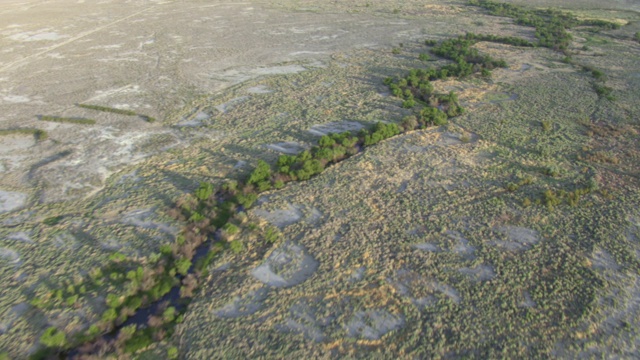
{"x":551,"y":25}
{"x":468,"y":60}
{"x":509,"y":40}
{"x":416,"y":88}
{"x":551,"y":30}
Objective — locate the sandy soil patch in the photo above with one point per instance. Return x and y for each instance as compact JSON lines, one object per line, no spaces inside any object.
{"x":11,"y":200}
{"x":286,"y":266}
{"x":335,"y":127}
{"x":243,"y":305}
{"x":373,"y":324}
{"x":518,"y":238}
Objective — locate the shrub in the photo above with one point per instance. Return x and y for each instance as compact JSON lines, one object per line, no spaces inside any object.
{"x":204,"y":191}
{"x":408,"y":104}
{"x":424,"y":57}
{"x":169,"y":314}
{"x":326,"y":141}
{"x":271,"y":235}
{"x":109,"y":316}
{"x":230,"y":186}
{"x":409,"y":123}
{"x":246,"y":200}
{"x":597,"y":74}
{"x":53,"y":337}
{"x":182,"y":266}
{"x":262,"y":172}
{"x":172,"y":353}
{"x":230,"y":229}
{"x":431,"y":115}
{"x":236,"y":246}
{"x":140,"y":341}
{"x":54,"y":220}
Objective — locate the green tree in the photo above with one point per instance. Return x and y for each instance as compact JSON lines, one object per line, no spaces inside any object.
{"x":53,"y":337}
{"x":204,"y":191}
{"x":262,"y":172}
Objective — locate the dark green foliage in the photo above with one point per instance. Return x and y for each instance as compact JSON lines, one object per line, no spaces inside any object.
{"x":271,"y":235}
{"x":172,"y":353}
{"x":550,"y":25}
{"x":424,"y":57}
{"x":467,"y":59}
{"x":53,"y":338}
{"x":326,"y":141}
{"x":236,"y":246}
{"x":205,"y":190}
{"x":636,"y":37}
{"x":409,"y":123}
{"x":182,"y":266}
{"x":246,"y":200}
{"x":52,"y":220}
{"x":108,"y":109}
{"x":69,"y":120}
{"x":408,"y":104}
{"x":109,"y":316}
{"x":262,"y":172}
{"x":432,"y":116}
{"x":139,"y":341}
{"x":169,"y":314}
{"x":604,"y":91}
{"x":113,"y":301}
{"x":230,"y":229}
{"x":37,"y":133}
{"x":146,"y":118}
{"x":510,"y":40}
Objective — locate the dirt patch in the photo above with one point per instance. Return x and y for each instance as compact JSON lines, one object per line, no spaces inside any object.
{"x":518,"y":238}
{"x":281,"y":218}
{"x":145,"y":218}
{"x":309,"y":317}
{"x":246,"y":304}
{"x":286,"y":266}
{"x":11,"y":200}
{"x":373,"y":324}
{"x":259,"y":89}
{"x":290,"y":148}
{"x":223,"y":108}
{"x":10,"y":144}
{"x":479,"y":273}
{"x":335,"y":127}
{"x":10,"y":256}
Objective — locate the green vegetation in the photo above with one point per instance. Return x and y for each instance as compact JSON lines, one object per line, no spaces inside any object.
{"x":636,"y":37}
{"x":37,"y":133}
{"x":551,"y":25}
{"x":68,"y":120}
{"x":551,"y":30}
{"x":210,"y":209}
{"x":108,"y":109}
{"x":54,"y":220}
{"x":53,"y":338}
{"x":116,"y":111}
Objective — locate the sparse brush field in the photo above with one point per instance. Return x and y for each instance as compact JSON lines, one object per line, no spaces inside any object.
{"x":478,"y":199}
